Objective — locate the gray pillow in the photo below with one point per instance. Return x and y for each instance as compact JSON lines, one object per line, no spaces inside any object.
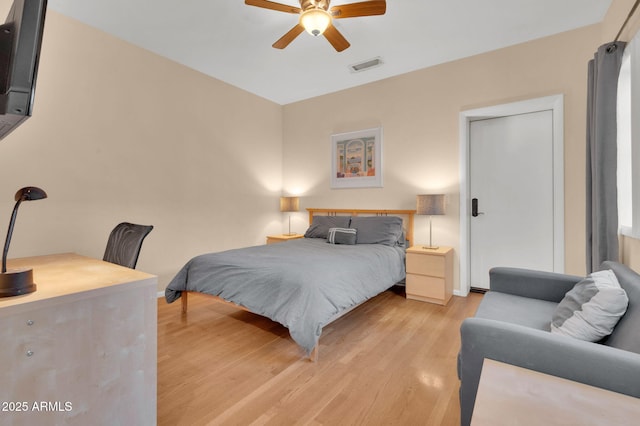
{"x":320,"y":225}
{"x":385,"y":230}
{"x":341,"y":236}
{"x":402,"y":241}
{"x":592,"y":308}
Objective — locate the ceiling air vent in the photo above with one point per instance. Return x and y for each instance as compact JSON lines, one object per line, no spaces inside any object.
{"x":366,"y":65}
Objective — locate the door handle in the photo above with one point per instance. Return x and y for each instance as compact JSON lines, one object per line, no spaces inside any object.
{"x":474,"y":208}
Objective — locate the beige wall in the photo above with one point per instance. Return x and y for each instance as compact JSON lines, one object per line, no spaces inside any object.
{"x":419,"y":113}
{"x":614,"y":19}
{"x":121,"y":134}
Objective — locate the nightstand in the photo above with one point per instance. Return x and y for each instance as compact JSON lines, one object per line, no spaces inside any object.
{"x":272,"y":239}
{"x":430,"y":274}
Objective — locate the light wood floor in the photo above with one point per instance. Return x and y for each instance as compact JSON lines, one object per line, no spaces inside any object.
{"x":390,"y":361}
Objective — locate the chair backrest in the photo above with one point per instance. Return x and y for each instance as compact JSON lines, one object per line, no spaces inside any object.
{"x":125,"y":241}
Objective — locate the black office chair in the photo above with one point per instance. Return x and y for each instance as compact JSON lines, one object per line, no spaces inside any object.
{"x":125,"y":242}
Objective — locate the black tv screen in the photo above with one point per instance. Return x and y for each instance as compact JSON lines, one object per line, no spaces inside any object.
{"x":20,"y":42}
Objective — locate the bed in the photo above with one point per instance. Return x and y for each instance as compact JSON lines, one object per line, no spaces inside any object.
{"x":345,"y":258}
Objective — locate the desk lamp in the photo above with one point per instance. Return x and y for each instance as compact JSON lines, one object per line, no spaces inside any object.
{"x":16,"y":282}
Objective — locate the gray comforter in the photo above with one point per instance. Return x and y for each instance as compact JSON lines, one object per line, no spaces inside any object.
{"x":301,"y":284}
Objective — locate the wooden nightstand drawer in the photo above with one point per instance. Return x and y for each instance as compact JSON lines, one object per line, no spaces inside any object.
{"x":423,"y":286}
{"x":434,"y":266}
{"x":429,"y":274}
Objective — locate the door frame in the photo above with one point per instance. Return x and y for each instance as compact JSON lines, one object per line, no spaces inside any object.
{"x":555,"y":103}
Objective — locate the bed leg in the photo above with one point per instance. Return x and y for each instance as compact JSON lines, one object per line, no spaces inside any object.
{"x":313,"y":356}
{"x":183,"y":297}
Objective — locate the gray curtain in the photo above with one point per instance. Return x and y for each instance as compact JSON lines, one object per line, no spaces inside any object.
{"x":602,"y":151}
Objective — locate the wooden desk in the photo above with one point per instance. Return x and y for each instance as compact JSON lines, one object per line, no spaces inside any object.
{"x":510,"y":395}
{"x":82,"y":349}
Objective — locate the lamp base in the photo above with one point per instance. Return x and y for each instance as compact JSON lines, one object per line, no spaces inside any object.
{"x":290,"y":234}
{"x":16,"y":282}
{"x":430,"y":247}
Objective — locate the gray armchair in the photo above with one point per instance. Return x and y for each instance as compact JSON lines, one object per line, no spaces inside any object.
{"x":512,"y":326}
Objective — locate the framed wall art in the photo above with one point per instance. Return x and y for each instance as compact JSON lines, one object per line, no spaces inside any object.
{"x":356,"y":159}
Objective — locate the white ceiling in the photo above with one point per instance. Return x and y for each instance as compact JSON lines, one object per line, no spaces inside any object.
{"x":231,"y":41}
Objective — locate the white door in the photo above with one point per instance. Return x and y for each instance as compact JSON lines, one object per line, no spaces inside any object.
{"x":511,"y":189}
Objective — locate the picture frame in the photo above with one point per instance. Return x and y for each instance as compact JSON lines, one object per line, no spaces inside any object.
{"x":356,"y":159}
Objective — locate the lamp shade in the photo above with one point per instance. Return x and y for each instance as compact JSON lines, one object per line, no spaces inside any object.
{"x":289,"y":204}
{"x":430,"y":204}
{"x":315,"y":21}
{"x":30,"y":193}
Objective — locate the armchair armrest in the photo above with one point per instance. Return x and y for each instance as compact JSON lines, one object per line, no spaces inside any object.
{"x":549,"y":286}
{"x":585,"y":362}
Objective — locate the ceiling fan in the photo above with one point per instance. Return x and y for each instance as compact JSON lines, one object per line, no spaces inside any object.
{"x":316,"y":18}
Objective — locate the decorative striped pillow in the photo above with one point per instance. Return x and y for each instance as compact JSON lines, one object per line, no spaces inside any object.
{"x":591,"y":310}
{"x":341,"y":236}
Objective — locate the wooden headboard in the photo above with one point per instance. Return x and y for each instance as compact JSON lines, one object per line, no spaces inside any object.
{"x":406,"y":215}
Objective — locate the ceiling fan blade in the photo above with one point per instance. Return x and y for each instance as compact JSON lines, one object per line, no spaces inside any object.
{"x":288,"y":37}
{"x":336,"y":39}
{"x":353,"y":10}
{"x":265,"y":4}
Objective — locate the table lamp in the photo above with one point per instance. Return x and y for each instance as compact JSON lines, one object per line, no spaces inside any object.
{"x":289,"y":204}
{"x":430,"y":204}
{"x":16,"y":282}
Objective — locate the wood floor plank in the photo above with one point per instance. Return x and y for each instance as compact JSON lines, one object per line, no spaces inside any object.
{"x":390,"y":361}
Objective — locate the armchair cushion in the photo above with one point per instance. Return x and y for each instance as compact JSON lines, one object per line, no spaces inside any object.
{"x":533,"y":313}
{"x":591,"y":310}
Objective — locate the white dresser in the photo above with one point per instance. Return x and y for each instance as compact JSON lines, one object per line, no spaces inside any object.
{"x":82,"y":349}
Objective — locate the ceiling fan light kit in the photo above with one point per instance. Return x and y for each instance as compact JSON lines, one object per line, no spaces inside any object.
{"x":315,"y":21}
{"x":316,"y":17}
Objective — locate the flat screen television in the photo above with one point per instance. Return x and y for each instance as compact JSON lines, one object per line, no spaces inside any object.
{"x":20,"y":43}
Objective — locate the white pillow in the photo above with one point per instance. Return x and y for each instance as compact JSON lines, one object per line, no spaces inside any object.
{"x":591,"y":310}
